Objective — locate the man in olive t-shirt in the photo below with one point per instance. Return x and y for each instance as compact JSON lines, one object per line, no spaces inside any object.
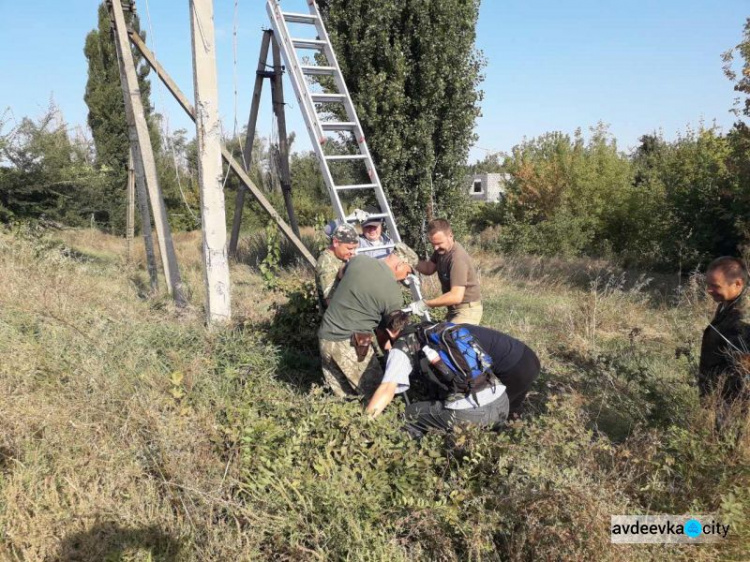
{"x":457,"y":274}
{"x":367,"y":292}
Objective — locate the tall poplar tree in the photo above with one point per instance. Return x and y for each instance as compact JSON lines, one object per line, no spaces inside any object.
{"x":413,"y":71}
{"x":106,"y":116}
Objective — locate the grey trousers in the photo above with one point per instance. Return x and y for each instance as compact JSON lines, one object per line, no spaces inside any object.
{"x":423,"y":416}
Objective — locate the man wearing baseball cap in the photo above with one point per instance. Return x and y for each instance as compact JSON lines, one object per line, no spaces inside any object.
{"x":367,"y":292}
{"x":344,"y":242}
{"x":373,"y":236}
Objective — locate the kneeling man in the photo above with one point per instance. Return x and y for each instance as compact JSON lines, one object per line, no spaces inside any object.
{"x":368,"y":290}
{"x":514,"y":368}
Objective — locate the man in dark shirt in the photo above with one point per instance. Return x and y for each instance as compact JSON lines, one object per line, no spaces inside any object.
{"x":457,"y":274}
{"x":726,"y":340}
{"x":514,"y":368}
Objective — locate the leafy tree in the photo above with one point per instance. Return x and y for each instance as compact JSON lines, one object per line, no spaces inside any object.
{"x":563,"y":192}
{"x":741,"y":82}
{"x":413,"y":72}
{"x":106,"y":116}
{"x":47,"y":175}
{"x":700,"y":198}
{"x":492,"y":163}
{"x":638,"y":227}
{"x":739,"y":137}
{"x":738,"y":168}
{"x":309,"y":193}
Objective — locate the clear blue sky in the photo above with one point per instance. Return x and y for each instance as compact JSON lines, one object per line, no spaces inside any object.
{"x":639,"y":66}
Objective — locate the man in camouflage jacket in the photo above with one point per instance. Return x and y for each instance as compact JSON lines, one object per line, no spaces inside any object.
{"x":344,"y":243}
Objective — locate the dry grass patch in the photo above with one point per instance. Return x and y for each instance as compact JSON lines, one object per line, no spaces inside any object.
{"x":130,"y":432}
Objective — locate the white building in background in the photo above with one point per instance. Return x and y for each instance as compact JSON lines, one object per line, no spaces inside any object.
{"x":487,"y":188}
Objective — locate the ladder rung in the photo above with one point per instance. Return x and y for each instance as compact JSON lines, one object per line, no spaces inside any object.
{"x":318,"y":70}
{"x":346,"y":157}
{"x":299,"y":18}
{"x":358,"y":186}
{"x":338,"y":126}
{"x":328,"y":98}
{"x":377,"y":216}
{"x":309,"y":44}
{"x":374,"y":248}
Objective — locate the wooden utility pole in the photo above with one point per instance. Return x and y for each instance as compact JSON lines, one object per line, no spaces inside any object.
{"x":247,"y":154}
{"x":277,"y":94}
{"x":147,"y":230}
{"x":144,"y":155}
{"x":130,"y":228}
{"x":228,"y":158}
{"x":208,"y":133}
{"x":140,"y":189}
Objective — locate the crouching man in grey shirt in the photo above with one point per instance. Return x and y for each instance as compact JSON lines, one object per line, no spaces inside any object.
{"x":514,"y":369}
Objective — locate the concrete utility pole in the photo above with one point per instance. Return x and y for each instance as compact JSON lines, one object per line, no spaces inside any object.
{"x":144,"y":155}
{"x":208,"y":133}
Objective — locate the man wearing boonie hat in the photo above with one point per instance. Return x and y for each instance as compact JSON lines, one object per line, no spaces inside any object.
{"x":367,"y":292}
{"x":373,"y":236}
{"x":344,"y":241}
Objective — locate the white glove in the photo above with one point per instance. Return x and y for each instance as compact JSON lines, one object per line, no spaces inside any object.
{"x":418,"y":308}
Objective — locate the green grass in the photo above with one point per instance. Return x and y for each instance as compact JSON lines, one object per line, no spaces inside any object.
{"x":130,"y":432}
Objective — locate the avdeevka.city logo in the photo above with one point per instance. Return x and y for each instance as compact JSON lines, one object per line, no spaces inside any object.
{"x":630,"y":529}
{"x":693,"y":528}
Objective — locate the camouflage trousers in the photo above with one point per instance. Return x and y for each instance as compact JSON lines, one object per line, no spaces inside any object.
{"x":344,"y":374}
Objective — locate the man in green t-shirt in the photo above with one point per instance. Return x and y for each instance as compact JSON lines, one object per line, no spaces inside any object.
{"x":367,"y":292}
{"x":457,"y":275}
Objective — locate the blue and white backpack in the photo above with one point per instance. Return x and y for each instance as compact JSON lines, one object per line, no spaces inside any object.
{"x":466,"y":368}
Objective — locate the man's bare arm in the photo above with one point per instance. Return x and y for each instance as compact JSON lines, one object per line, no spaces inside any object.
{"x":382,"y":397}
{"x":426,"y":267}
{"x":451,"y":298}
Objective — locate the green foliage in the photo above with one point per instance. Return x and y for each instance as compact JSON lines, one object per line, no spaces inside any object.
{"x":563,"y":192}
{"x":672,"y":205}
{"x":269,"y":267}
{"x":741,"y":83}
{"x":309,"y":193}
{"x":485,"y":215}
{"x":690,"y":189}
{"x":49,"y":175}
{"x":106,"y":117}
{"x":413,"y":73}
{"x":296,"y":320}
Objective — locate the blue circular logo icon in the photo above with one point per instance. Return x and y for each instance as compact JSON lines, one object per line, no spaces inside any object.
{"x":693,"y":528}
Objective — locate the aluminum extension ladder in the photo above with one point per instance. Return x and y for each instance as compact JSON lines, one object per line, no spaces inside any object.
{"x":318,"y":128}
{"x":309,"y":101}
